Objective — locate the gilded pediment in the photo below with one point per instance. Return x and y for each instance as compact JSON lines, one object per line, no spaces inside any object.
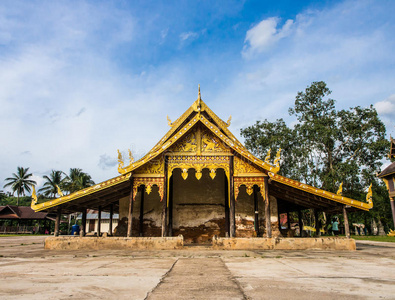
{"x":154,"y":166}
{"x":212,"y":144}
{"x":242,"y":166}
{"x":187,"y":144}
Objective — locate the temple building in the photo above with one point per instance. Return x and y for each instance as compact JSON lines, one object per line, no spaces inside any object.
{"x":199,"y":181}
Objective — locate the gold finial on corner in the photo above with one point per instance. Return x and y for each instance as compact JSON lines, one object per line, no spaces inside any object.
{"x":131,"y":158}
{"x":267,"y":158}
{"x":340,"y":190}
{"x":34,"y":196}
{"x":369,"y":195}
{"x":120,"y":160}
{"x":59,"y":191}
{"x":229,"y":121}
{"x":169,"y":121}
{"x":199,"y":95}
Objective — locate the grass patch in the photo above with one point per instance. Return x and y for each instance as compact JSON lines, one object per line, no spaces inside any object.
{"x":375,"y":238}
{"x":246,"y":255}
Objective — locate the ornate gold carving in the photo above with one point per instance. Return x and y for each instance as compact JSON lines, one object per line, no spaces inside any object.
{"x":242,"y":167}
{"x":198,"y":163}
{"x":210,"y":143}
{"x":340,"y":190}
{"x":155,"y":166}
{"x":188,"y":144}
{"x":213,"y":173}
{"x":249,"y":182}
{"x":148,"y":182}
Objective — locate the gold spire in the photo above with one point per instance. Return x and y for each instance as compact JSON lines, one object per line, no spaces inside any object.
{"x":340,"y":190}
{"x":199,"y":99}
{"x":34,"y":196}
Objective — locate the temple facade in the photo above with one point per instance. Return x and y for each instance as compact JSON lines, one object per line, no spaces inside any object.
{"x":200,"y":181}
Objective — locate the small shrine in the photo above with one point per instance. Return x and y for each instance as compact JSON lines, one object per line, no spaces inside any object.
{"x":199,"y":181}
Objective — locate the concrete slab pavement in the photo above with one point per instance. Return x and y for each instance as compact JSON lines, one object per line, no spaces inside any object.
{"x":27,"y":271}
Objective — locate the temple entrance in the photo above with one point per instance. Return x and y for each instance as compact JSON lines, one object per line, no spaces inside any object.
{"x":198,"y":209}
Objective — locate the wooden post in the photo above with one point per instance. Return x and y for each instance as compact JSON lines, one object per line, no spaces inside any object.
{"x":111,"y":218}
{"x":83,"y":221}
{"x":256,"y":211}
{"x":288,"y":221}
{"x":141,"y":219}
{"x":232,"y":209}
{"x":346,"y":227}
{"x":57,"y":221}
{"x":392,"y":201}
{"x":227,"y":225}
{"x":317,"y":223}
{"x":171,"y":206}
{"x":130,"y":215}
{"x":99,"y":222}
{"x":164,"y":204}
{"x":267,"y":209}
{"x":300,"y":220}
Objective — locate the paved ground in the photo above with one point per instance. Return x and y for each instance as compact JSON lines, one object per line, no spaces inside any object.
{"x":27,"y":271}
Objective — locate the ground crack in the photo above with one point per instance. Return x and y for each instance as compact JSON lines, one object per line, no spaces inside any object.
{"x":161,"y":280}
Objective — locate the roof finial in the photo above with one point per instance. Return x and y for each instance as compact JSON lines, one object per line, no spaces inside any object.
{"x":199,"y":97}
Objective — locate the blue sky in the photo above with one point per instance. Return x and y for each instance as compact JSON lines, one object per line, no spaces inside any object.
{"x":81,"y":79}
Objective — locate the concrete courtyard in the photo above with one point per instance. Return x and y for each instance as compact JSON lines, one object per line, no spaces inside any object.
{"x":27,"y":271}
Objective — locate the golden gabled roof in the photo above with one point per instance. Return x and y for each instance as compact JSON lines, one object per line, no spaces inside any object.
{"x":218,"y":127}
{"x":199,"y":112}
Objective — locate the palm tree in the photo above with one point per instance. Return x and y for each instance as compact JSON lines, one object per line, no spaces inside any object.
{"x":20,"y":182}
{"x":55,"y":179}
{"x":77,"y":180}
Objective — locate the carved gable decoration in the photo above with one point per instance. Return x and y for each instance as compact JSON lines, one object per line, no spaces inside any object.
{"x":243,"y":167}
{"x":187,"y":144}
{"x":212,"y":144}
{"x":154,"y":166}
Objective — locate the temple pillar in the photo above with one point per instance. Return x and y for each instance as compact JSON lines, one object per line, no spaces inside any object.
{"x":267,"y":209}
{"x":300,"y":220}
{"x":57,"y":221}
{"x":83,"y":221}
{"x":130,"y":215}
{"x":171,"y":206}
{"x":346,"y":226}
{"x":99,"y":222}
{"x":392,"y":201}
{"x":141,"y":219}
{"x":232,"y":221}
{"x":165,"y":199}
{"x":256,"y":211}
{"x":317,"y":223}
{"x":111,"y":218}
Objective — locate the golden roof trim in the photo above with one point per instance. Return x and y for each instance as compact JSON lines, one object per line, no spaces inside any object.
{"x":321,"y":193}
{"x":84,"y":192}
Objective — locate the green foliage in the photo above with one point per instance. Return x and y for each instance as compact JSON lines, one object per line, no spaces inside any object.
{"x":55,"y":179}
{"x":77,"y":180}
{"x":20,"y":182}
{"x":328,"y":146}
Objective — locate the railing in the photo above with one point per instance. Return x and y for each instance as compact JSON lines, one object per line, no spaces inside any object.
{"x":22,"y":229}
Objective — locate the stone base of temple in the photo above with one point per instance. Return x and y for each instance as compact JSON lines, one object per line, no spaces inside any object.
{"x":319,"y":243}
{"x":113,"y":243}
{"x":174,"y":243}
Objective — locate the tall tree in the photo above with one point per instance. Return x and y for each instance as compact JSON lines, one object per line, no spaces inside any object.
{"x":77,"y":180}
{"x":326,"y":146}
{"x":56,"y":178}
{"x":20,"y":182}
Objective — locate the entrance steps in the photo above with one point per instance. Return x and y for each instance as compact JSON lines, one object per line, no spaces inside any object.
{"x":196,"y":246}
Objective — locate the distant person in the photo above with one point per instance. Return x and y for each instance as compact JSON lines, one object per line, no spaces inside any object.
{"x":335,"y":227}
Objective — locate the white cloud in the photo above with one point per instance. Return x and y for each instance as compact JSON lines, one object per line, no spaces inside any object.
{"x":387,"y":106}
{"x":263,"y":35}
{"x":188,"y":36}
